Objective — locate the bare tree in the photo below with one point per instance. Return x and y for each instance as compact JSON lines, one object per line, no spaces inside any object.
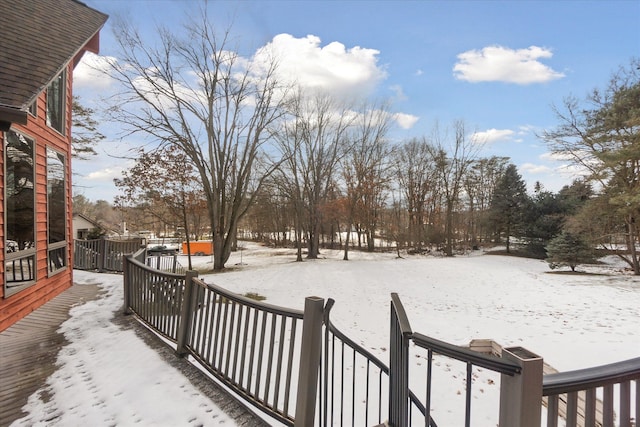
{"x":479,"y":184}
{"x":195,"y":93}
{"x":312,"y":142}
{"x":452,"y":159}
{"x":416,"y":175}
{"x":366,"y":171}
{"x":167,"y":183}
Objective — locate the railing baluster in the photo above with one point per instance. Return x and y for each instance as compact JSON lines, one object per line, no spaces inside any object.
{"x":267,"y":387}
{"x":366,"y":396}
{"x":625,"y":404}
{"x":232,"y":320}
{"x":637,"y":381}
{"x":572,"y":409}
{"x":292,"y":344}
{"x":245,"y":344}
{"x":219,"y":307}
{"x":427,"y":415}
{"x":353,"y":388}
{"x":552,"y":411}
{"x":254,"y":334}
{"x":467,"y":418}
{"x":342,"y":383}
{"x":607,"y":406}
{"x":280,"y":354}
{"x":590,"y":408}
{"x":263,"y":328}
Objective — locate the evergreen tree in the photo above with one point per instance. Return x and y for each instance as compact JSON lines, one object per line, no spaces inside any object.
{"x":509,"y":204}
{"x":568,"y":250}
{"x":602,"y":136}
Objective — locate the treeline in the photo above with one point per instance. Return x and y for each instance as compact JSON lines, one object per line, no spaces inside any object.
{"x":238,"y":149}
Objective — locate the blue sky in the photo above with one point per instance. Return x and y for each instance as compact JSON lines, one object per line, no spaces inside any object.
{"x":497,"y":65}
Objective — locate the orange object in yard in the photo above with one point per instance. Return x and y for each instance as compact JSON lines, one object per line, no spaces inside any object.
{"x":202,"y":247}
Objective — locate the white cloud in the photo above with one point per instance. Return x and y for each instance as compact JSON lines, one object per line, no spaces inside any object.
{"x":405,"y":121}
{"x":92,"y":70}
{"x":498,"y":63}
{"x":106,"y":174}
{"x":333,"y":68}
{"x":399,"y":94}
{"x":490,"y":136}
{"x":419,"y":72}
{"x":535,"y":169}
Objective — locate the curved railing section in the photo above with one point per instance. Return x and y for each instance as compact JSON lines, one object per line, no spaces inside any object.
{"x":590,"y":397}
{"x":250,"y":346}
{"x":154,"y":296}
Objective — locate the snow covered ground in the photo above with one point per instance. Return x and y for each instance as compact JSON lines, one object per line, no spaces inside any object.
{"x":573,"y":321}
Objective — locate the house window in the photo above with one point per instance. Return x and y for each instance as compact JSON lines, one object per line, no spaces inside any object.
{"x":56,"y":211}
{"x":33,"y":108}
{"x":20,"y":258}
{"x":55,"y":103}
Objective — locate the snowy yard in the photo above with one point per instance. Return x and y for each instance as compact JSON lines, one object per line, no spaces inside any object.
{"x":573,"y":321}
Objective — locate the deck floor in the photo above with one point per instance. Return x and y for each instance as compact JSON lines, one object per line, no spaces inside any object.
{"x":29,"y":348}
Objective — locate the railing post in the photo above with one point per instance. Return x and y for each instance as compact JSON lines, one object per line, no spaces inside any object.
{"x":400,"y":335}
{"x":185,"y":321}
{"x":521,"y":394}
{"x":127,"y":284}
{"x":102,"y":254}
{"x":310,"y":353}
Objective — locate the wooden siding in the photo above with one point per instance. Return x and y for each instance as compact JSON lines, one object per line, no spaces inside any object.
{"x":17,"y":306}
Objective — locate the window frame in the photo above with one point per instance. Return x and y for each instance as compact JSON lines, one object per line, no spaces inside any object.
{"x":60,"y":246}
{"x":28,"y":254}
{"x":59,"y":101}
{"x":33,"y":108}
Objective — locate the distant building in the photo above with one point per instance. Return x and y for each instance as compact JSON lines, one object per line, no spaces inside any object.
{"x":41,"y":41}
{"x":82,"y":226}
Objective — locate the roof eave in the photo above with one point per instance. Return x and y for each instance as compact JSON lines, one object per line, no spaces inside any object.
{"x":11,"y":115}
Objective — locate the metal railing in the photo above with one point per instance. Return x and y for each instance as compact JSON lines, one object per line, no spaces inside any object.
{"x":589,"y":397}
{"x":154,"y":296}
{"x":355,"y":383}
{"x":250,"y":346}
{"x":401,"y":335}
{"x":167,"y":263}
{"x":283,"y":362}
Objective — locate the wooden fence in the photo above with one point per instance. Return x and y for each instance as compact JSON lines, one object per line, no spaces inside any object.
{"x":103,"y":254}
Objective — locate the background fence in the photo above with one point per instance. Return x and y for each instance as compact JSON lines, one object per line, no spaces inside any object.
{"x":103,"y":254}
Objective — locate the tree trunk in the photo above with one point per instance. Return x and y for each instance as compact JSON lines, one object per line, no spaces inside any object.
{"x":346,"y":243}
{"x":631,"y":239}
{"x":449,"y":229}
{"x":371,"y":244}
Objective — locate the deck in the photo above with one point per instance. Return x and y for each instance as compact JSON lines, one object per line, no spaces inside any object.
{"x":29,"y":348}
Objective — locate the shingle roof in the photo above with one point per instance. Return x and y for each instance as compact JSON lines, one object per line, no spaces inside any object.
{"x":37,"y":39}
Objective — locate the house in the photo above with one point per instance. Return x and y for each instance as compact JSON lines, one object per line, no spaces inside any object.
{"x":40,"y":44}
{"x":82,"y":226}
